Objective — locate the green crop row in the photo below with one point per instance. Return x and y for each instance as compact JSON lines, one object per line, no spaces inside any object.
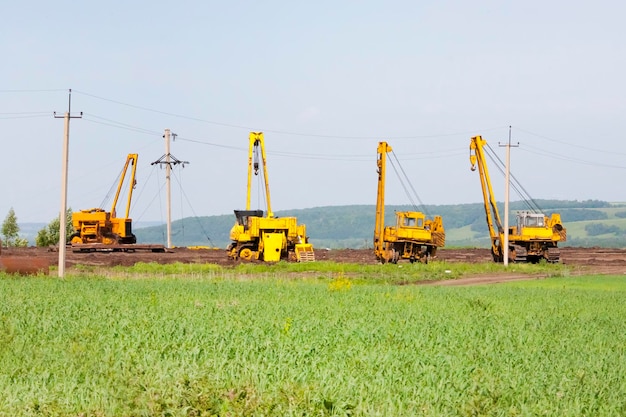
{"x":222,"y":344}
{"x":372,"y":274}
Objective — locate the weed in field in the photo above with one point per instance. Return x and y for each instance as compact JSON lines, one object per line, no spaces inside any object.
{"x":340,"y":283}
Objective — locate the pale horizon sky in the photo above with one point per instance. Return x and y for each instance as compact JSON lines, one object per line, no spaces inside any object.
{"x":325,"y":82}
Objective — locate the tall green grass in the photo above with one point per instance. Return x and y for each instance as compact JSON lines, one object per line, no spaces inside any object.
{"x":226,"y":345}
{"x":402,"y":273}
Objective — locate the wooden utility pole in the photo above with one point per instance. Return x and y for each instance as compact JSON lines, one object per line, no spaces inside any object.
{"x":63,"y":211}
{"x":168,"y":160}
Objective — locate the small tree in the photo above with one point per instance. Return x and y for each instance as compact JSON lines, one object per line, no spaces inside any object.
{"x":11,"y":231}
{"x":50,"y":234}
{"x":43,"y":237}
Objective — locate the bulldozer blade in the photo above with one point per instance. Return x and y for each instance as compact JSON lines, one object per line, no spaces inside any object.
{"x":304,"y":252}
{"x":24,"y":265}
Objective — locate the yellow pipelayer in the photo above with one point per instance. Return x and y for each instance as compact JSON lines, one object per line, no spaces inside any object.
{"x":270,"y":239}
{"x":414,"y":237}
{"x":535,"y":236}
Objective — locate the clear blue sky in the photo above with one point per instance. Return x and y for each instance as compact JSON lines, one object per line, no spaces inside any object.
{"x":325,"y":81}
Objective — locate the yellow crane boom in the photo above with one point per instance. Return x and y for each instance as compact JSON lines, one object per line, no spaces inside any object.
{"x":496,"y":232}
{"x":257,"y":145}
{"x":379,"y":224}
{"x":131,"y":159}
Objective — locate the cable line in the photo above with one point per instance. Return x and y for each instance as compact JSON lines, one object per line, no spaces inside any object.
{"x":44,"y":113}
{"x":34,"y":91}
{"x":406,"y":184}
{"x":114,"y":185}
{"x":327,"y":157}
{"x":357,"y":158}
{"x":183,"y":193}
{"x":282,"y":132}
{"x":422,"y":206}
{"x":570,"y":144}
{"x":446,"y":153}
{"x":523,"y":194}
{"x":119,"y":125}
{"x":32,"y":116}
{"x":575,"y":160}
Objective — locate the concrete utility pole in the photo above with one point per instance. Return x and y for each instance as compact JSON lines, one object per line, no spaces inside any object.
{"x":507,"y":186}
{"x":168,"y":189}
{"x":63,"y":213}
{"x":168,"y":160}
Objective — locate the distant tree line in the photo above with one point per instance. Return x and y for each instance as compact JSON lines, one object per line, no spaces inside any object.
{"x":596,"y":229}
{"x":353,"y":226}
{"x":579,"y":215}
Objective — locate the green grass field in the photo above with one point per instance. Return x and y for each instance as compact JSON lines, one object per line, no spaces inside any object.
{"x":285,"y":341}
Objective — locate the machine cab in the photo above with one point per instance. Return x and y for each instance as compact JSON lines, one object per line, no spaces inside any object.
{"x":244,"y":215}
{"x":410,"y":225}
{"x":526,"y":219}
{"x":532,"y":226}
{"x":410,"y":219}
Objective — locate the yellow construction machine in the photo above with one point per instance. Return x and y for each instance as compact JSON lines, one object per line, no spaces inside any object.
{"x":533,"y":238}
{"x":97,"y":226}
{"x":256,"y":236}
{"x":414,"y":237}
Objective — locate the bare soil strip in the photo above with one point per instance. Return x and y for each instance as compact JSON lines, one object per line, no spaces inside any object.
{"x":602,"y":261}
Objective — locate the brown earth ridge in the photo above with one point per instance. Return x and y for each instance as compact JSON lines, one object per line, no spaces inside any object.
{"x":583,"y":260}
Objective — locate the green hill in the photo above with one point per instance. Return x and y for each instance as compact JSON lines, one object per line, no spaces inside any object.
{"x":589,"y":223}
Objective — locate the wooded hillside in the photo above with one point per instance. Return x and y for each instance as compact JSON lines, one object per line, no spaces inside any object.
{"x":589,"y":223}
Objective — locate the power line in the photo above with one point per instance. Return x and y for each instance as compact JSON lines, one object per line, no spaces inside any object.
{"x":345,"y":157}
{"x":55,"y":90}
{"x":240,"y":126}
{"x":574,"y":160}
{"x":211,"y":142}
{"x":32,"y":116}
{"x":406,"y":183}
{"x":46,"y":113}
{"x":515,"y":183}
{"x":119,"y":125}
{"x":184,"y":194}
{"x":570,"y":144}
{"x":217,"y":145}
{"x":282,"y":132}
{"x":334,"y":157}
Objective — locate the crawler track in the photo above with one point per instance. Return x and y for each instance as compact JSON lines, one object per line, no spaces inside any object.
{"x":99,"y":247}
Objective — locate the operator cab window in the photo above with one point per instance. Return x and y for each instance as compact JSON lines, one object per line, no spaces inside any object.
{"x":534,"y":221}
{"x":412,"y":222}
